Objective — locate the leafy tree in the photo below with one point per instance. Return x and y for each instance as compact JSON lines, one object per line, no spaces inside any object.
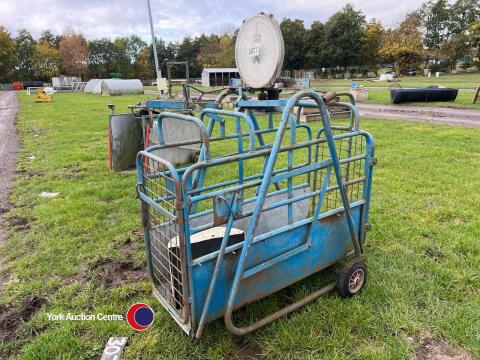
{"x":102,"y":57}
{"x":171,"y":51}
{"x":208,"y":55}
{"x":7,"y":55}
{"x":24,"y":50}
{"x":188,"y":50}
{"x":371,"y":42}
{"x":46,"y":60}
{"x":404,"y":44}
{"x":50,"y":38}
{"x":343,"y":37}
{"x":294,"y":36}
{"x":455,"y":48}
{"x":227,"y":51}
{"x":121,"y":62}
{"x":474,"y":36}
{"x":134,"y":46}
{"x":463,"y":14}
{"x":73,"y":53}
{"x":315,"y":46}
{"x":436,"y":19}
{"x":142,"y":68}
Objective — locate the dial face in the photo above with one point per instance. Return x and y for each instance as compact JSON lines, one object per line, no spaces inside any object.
{"x":259,"y":51}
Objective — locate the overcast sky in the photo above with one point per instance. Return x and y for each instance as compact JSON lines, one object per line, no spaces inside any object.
{"x":174,"y":19}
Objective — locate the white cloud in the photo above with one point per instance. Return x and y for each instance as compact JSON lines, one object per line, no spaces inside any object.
{"x":175,"y":19}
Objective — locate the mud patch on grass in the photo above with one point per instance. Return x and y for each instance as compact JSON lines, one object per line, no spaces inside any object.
{"x":432,"y":348}
{"x":247,"y":350}
{"x":75,"y":168}
{"x":19,"y":223}
{"x":5,"y":209}
{"x":434,"y":253}
{"x":114,"y":273}
{"x":27,"y":175}
{"x":74,"y":171}
{"x":12,"y":317}
{"x":22,"y":172}
{"x":451,"y":217}
{"x":74,"y":176}
{"x":36,"y":131}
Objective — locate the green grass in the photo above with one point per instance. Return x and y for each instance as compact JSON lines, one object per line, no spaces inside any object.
{"x":464,"y":81}
{"x":463,"y":100}
{"x":423,"y":253}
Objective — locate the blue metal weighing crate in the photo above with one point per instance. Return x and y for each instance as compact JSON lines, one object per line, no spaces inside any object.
{"x":255,"y":216}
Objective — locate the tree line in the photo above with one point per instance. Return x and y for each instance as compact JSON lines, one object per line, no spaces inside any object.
{"x":438,"y":30}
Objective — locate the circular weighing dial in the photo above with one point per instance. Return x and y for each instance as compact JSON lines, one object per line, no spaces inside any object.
{"x":259,"y":51}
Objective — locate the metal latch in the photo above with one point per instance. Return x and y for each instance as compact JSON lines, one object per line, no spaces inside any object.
{"x":222,"y":207}
{"x":373,"y":161}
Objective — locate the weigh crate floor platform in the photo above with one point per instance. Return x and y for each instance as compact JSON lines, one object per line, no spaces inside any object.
{"x":234,"y":227}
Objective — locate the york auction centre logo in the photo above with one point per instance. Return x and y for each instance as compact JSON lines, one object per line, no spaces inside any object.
{"x":140,"y":316}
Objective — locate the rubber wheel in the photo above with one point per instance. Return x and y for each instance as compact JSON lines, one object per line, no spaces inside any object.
{"x":352,"y":278}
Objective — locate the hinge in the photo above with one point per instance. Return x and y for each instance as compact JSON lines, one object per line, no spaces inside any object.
{"x":367,"y":226}
{"x":373,"y":161}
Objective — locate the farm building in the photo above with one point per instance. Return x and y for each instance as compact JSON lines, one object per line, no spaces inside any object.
{"x":219,"y":76}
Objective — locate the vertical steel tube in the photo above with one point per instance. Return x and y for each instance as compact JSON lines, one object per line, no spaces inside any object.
{"x":154,"y":41}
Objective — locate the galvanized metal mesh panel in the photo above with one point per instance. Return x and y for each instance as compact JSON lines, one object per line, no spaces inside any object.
{"x":166,"y":245}
{"x":353,"y":171}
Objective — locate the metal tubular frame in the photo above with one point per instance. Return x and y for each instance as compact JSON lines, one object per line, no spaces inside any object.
{"x":189,"y":187}
{"x":286,"y":117}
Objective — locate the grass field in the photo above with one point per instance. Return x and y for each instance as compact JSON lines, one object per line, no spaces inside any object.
{"x":423,"y":253}
{"x":461,"y":81}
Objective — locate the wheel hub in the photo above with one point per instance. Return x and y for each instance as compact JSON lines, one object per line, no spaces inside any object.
{"x":356,"y":281}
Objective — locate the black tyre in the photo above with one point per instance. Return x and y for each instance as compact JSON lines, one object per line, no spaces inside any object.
{"x":352,"y":278}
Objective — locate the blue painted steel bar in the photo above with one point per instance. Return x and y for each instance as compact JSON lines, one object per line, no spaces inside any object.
{"x":286,"y":116}
{"x":270,"y":120}
{"x":234,"y":114}
{"x":236,"y":181}
{"x":164,"y":104}
{"x":338,"y":173}
{"x":293,"y":141}
{"x":298,"y":171}
{"x":323,"y":192}
{"x":157,"y":207}
{"x":279,"y":204}
{"x":255,"y":104}
{"x":269,"y":263}
{"x":266,"y":236}
{"x":233,"y":206}
{"x":262,"y":152}
{"x":215,"y":118}
{"x":369,"y":163}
